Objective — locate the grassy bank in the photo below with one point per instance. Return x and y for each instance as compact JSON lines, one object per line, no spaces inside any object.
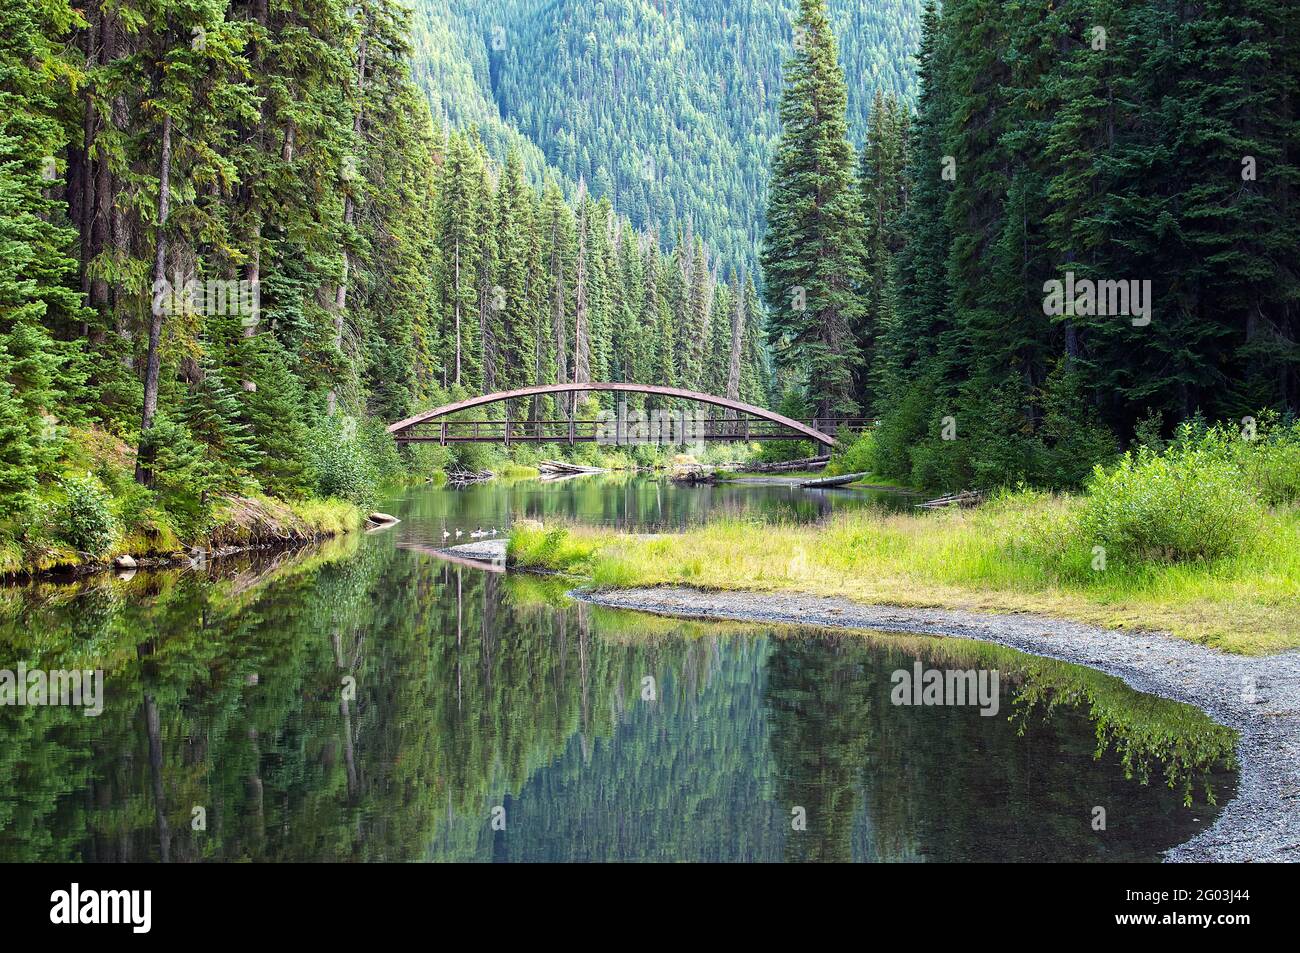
{"x":52,"y":543}
{"x":1008,"y":556}
{"x":1200,"y":538}
{"x":90,"y":509}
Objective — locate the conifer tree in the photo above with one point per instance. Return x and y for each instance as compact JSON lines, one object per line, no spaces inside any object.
{"x":812,"y":252}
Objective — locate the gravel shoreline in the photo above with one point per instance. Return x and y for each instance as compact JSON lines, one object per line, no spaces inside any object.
{"x":1262,"y":823}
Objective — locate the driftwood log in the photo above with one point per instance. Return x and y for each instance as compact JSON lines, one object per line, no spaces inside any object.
{"x":694,"y":476}
{"x":964,"y":498}
{"x":840,"y":480}
{"x":463,"y":477}
{"x":807,"y":463}
{"x":559,"y":466}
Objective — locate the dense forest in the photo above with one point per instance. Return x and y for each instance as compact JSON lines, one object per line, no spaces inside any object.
{"x":235,"y":245}
{"x":668,"y":109}
{"x":240,"y":236}
{"x":1092,"y":236}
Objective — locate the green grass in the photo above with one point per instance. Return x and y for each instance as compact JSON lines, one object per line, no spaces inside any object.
{"x":35,"y":545}
{"x":553,"y":550}
{"x":1019,"y":553}
{"x":516,"y":471}
{"x":871,"y":480}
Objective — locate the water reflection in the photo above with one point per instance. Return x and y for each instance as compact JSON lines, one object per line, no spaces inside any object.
{"x":630,"y":501}
{"x":228,"y":700}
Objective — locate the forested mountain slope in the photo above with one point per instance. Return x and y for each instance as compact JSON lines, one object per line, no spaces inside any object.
{"x":669,"y":109}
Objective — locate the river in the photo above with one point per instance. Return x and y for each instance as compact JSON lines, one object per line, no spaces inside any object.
{"x":368,"y":700}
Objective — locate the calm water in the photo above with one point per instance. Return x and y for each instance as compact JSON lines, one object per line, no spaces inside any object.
{"x":369,"y":701}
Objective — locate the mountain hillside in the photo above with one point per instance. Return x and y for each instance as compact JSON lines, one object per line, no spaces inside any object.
{"x":667,"y":108}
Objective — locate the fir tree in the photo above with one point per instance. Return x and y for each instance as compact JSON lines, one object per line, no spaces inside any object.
{"x":812,"y":252}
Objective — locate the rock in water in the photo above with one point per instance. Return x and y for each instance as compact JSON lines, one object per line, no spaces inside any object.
{"x":382,"y":518}
{"x":124,"y":562}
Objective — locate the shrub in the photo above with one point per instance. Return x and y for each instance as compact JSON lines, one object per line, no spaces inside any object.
{"x":339,"y":463}
{"x":473,"y":456}
{"x":855,"y":457}
{"x":554,"y":549}
{"x":424,"y":460}
{"x":1271,"y":462}
{"x":86,"y":517}
{"x":1188,"y":503}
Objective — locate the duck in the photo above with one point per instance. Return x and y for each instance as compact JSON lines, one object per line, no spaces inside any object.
{"x":445,"y":534}
{"x":477,"y":534}
{"x":458,"y":534}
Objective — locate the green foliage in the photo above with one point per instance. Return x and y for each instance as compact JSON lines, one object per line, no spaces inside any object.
{"x":1187,"y":503}
{"x":1140,"y":160}
{"x":273,"y":414}
{"x":669,"y":112}
{"x":85,"y":519}
{"x":181,"y":475}
{"x":552,"y":550}
{"x":211,"y":413}
{"x":18,"y":469}
{"x":856,"y":453}
{"x":1270,"y":460}
{"x":794,"y":404}
{"x":813,"y":248}
{"x":339,"y":464}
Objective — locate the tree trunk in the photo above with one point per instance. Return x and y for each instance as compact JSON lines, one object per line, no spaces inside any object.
{"x":349,"y":210}
{"x":143,"y":473}
{"x":457,"y":293}
{"x":581,"y":334}
{"x":558,"y":319}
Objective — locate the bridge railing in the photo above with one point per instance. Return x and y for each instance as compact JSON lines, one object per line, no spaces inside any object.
{"x":616,"y":431}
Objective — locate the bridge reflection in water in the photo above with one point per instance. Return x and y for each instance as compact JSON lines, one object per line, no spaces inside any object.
{"x":740,"y":421}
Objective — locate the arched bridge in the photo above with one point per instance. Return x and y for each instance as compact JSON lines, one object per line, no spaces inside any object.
{"x":743,"y":421}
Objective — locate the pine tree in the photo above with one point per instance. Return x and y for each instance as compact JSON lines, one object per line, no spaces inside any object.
{"x":18,"y":469}
{"x":272,"y":413}
{"x":212,"y":413}
{"x":516,"y":324}
{"x":812,"y":252}
{"x":460,"y":234}
{"x":881,"y":184}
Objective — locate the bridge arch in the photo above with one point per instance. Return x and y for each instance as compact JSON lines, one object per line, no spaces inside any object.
{"x":404,"y":430}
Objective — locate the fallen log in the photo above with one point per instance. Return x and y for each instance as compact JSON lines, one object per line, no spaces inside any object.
{"x":835,"y":480}
{"x":560,"y":466}
{"x":463,"y":477}
{"x":964,"y":498}
{"x":807,"y":463}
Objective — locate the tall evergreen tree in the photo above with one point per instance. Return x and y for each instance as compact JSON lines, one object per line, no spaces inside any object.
{"x":812,"y":252}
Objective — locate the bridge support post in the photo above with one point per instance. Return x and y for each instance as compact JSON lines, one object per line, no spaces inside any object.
{"x":442,"y":438}
{"x":620,"y":423}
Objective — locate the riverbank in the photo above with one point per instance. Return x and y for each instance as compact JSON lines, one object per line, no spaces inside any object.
{"x":1014,"y":554}
{"x":1257,"y":697}
{"x":240,"y":524}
